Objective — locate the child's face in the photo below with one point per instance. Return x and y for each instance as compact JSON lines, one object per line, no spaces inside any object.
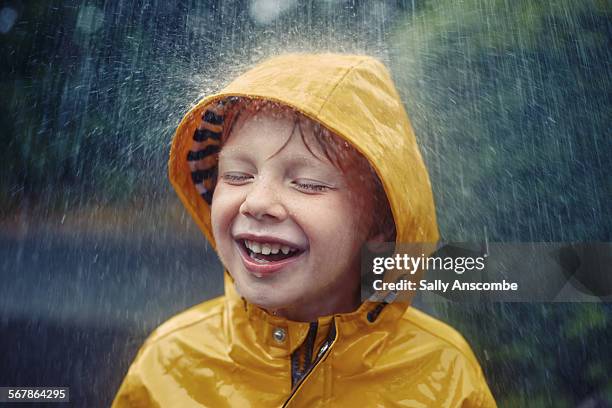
{"x":274,"y":194}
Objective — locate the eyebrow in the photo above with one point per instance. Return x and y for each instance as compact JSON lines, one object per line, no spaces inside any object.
{"x":321,"y":167}
{"x":233,"y":153}
{"x":303,"y":160}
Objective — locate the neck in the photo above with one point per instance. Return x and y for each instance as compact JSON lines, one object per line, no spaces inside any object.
{"x":309,"y":311}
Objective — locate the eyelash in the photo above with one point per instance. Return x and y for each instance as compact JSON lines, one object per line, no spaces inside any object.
{"x":317,"y":188}
{"x":235,"y":178}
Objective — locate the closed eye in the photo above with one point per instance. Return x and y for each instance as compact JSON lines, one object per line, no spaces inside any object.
{"x":236,"y":178}
{"x":311,"y":187}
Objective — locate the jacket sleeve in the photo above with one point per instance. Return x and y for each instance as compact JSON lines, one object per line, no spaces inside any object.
{"x":134,"y":391}
{"x":480,"y":396}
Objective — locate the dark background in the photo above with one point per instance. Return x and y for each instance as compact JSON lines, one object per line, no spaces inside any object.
{"x":510,"y":102}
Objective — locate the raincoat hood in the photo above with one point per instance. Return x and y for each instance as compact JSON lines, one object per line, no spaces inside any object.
{"x":227,"y":352}
{"x":351,"y":95}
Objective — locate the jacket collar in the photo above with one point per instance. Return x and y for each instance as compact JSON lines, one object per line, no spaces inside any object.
{"x":255,"y":335}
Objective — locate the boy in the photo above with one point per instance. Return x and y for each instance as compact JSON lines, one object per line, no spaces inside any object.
{"x":289,"y":171}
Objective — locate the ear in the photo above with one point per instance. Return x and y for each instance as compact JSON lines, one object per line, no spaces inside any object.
{"x":377,"y":238}
{"x":375,"y":243}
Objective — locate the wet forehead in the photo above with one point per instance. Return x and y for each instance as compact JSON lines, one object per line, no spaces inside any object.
{"x":264,"y":136}
{"x":288,"y":156}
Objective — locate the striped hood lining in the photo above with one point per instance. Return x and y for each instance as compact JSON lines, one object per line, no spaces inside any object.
{"x":202,"y":157}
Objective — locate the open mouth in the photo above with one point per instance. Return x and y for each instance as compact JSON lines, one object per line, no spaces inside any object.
{"x":268,"y":252}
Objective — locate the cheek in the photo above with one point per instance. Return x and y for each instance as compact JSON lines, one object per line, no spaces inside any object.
{"x":362,"y":210}
{"x":355,"y":208}
{"x":224,"y":208}
{"x":334,"y":224}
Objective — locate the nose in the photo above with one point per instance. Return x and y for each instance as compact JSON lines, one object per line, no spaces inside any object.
{"x":264,"y":201}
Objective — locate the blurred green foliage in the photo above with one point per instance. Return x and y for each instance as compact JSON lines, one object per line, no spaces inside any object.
{"x":511,"y":103}
{"x":92,"y":93}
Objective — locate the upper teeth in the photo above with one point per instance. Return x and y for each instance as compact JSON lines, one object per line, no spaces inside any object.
{"x":267,"y":249}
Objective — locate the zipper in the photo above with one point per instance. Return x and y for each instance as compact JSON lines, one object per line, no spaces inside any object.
{"x":321,"y":354}
{"x":306,"y":350}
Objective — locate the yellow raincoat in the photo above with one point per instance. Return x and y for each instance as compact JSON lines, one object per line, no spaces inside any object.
{"x":228,"y":353}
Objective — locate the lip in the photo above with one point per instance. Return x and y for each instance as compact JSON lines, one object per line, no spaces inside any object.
{"x":261,"y":270}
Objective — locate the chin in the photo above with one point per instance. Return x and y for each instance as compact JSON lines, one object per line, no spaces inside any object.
{"x":265,"y":301}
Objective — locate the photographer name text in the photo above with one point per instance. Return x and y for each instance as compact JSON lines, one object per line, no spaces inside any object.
{"x":439,"y":285}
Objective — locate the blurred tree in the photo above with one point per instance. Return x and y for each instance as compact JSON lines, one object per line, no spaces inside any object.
{"x":93,"y":91}
{"x":510,"y":100}
{"x":511,"y":103}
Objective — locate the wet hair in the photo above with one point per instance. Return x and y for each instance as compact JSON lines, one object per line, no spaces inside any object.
{"x":336,"y":150}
